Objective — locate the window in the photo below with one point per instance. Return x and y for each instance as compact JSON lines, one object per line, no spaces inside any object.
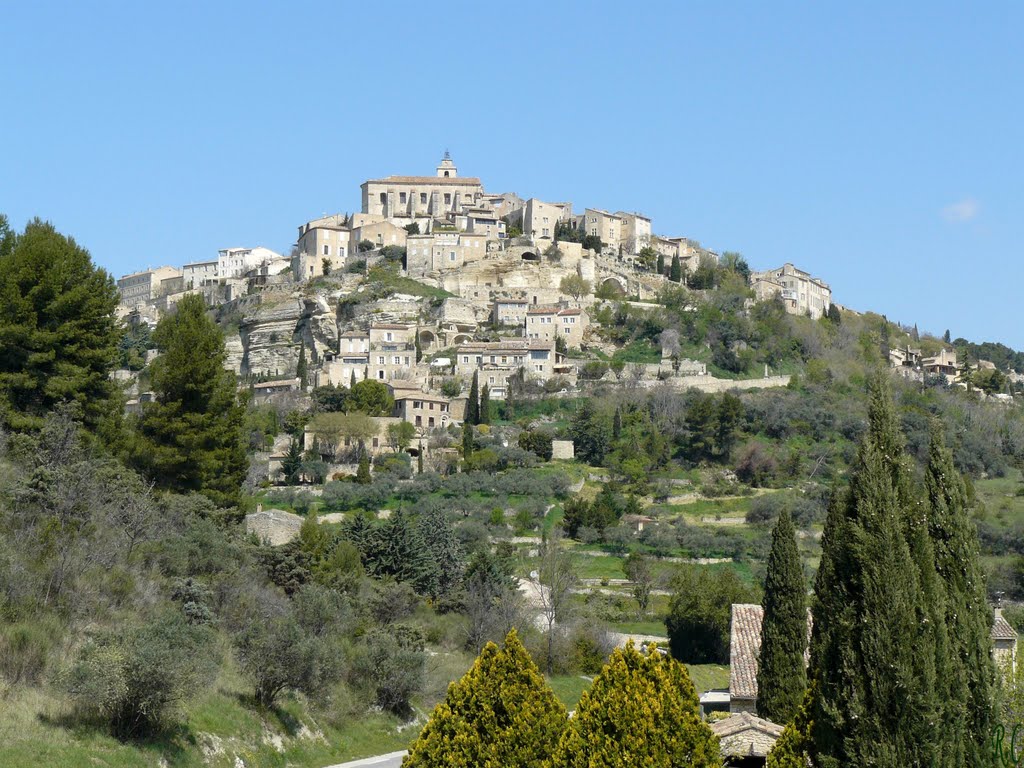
{"x":383,"y":198}
{"x":447,"y":198}
{"x":417,"y":403}
{"x":431,"y":407}
{"x":376,"y":442}
{"x":423,"y":198}
{"x":380,"y":360}
{"x":388,"y":336}
{"x":419,"y":421}
{"x":465,"y":359}
{"x":430,"y":421}
{"x":327,"y":250}
{"x":451,"y":256}
{"x":380,"y":375}
{"x":401,"y":197}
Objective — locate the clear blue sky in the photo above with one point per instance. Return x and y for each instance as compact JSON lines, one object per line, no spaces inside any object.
{"x":878,"y":145}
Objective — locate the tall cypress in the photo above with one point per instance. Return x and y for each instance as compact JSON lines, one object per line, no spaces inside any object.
{"x":473,"y":405}
{"x":484,"y":417}
{"x":968,"y":616}
{"x":675,"y":273}
{"x":661,"y":264}
{"x":872,"y":658}
{"x":782,"y":673}
{"x":301,"y":367}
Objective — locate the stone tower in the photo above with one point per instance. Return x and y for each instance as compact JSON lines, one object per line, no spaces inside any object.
{"x":447,"y":168}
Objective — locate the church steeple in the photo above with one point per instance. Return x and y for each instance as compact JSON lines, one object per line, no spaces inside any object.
{"x":447,"y":168}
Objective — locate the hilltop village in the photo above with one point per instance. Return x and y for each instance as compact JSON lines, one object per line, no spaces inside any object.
{"x":480,"y":283}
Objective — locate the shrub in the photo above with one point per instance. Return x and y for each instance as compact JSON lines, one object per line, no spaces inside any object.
{"x":25,"y":649}
{"x":394,"y":664}
{"x":136,"y":679}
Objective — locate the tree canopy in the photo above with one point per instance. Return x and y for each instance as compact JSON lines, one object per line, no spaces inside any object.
{"x":58,"y":332}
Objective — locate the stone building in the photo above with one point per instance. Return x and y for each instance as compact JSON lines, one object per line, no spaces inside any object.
{"x":411,"y":197}
{"x":442,"y":251}
{"x":1004,"y":642}
{"x":328,"y":237}
{"x":745,"y":740}
{"x":800,"y":292}
{"x":537,"y":219}
{"x":351,"y":362}
{"x":236,"y":262}
{"x":608,"y":226}
{"x":548,"y":323}
{"x":942,"y":364}
{"x":199,"y":274}
{"x":392,"y":351}
{"x":496,"y":361}
{"x":510,"y":312}
{"x":636,"y":231}
{"x":423,"y":410}
{"x":140,"y":287}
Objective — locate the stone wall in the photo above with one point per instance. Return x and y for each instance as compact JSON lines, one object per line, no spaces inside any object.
{"x":563,"y":449}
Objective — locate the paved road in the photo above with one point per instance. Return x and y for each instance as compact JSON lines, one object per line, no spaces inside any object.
{"x":393,"y":760}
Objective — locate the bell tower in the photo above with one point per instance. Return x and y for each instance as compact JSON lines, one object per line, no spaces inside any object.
{"x":447,"y":168}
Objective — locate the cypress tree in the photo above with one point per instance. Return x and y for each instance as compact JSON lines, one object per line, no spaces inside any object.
{"x":363,"y":476}
{"x":484,"y":417}
{"x":972,"y":678}
{"x":473,"y":404}
{"x":873,"y":659}
{"x":419,"y":459}
{"x":661,"y":264}
{"x":781,"y":673}
{"x":617,"y":423}
{"x":467,"y":441}
{"x":501,"y":713}
{"x":641,"y":710}
{"x":300,"y":367}
{"x":352,"y":380}
{"x":676,"y":271}
{"x":190,"y":437}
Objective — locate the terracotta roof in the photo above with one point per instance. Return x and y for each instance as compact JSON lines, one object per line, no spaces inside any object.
{"x":452,"y":180}
{"x":390,"y":327}
{"x":744,"y":646}
{"x":543,"y":309}
{"x":1001,"y":628}
{"x":744,"y":735}
{"x":421,"y":396}
{"x":571,"y":312}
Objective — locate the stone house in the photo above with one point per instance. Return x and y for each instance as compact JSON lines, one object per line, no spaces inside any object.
{"x":800,"y":292}
{"x":198,"y":273}
{"x":423,"y":410}
{"x":942,"y":364}
{"x":237,"y":262}
{"x":328,"y":237}
{"x":511,"y":312}
{"x":550,"y":322}
{"x":442,"y":251}
{"x":636,"y":231}
{"x":352,"y":360}
{"x":608,"y":226}
{"x":496,"y":361}
{"x":1004,"y":642}
{"x":392,"y":351}
{"x":745,"y":739}
{"x":537,"y":219}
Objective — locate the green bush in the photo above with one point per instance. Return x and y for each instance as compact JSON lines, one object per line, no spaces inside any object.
{"x":25,"y":649}
{"x":137,"y":678}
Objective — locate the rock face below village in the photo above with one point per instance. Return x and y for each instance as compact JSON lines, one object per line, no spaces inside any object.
{"x":268,"y":334}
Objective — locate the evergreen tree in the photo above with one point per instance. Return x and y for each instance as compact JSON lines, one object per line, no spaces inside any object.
{"x":972,"y":680}
{"x":58,"y":334}
{"x":467,"y":441}
{"x":419,"y":349}
{"x":676,"y":271}
{"x":781,"y":673}
{"x":363,"y":476}
{"x":473,"y":404}
{"x":300,"y":367}
{"x":915,"y":334}
{"x":873,"y":657}
{"x":501,"y":713}
{"x":834,"y":315}
{"x":397,"y":549}
{"x":590,"y":434}
{"x":946,"y":337}
{"x":617,"y":423}
{"x":352,"y":380}
{"x":484,"y":416}
{"x":792,"y":746}
{"x":419,"y":459}
{"x":661,"y":264}
{"x":445,"y":549}
{"x":190,"y":437}
{"x":641,"y":710}
{"x":291,"y":465}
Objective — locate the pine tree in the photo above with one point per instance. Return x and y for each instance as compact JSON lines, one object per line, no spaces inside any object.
{"x":873,"y":659}
{"x":676,"y":271}
{"x":661,"y":264}
{"x":473,"y":404}
{"x":500,"y":713}
{"x":190,"y":437}
{"x":58,"y":334}
{"x":972,"y":680}
{"x":363,"y":476}
{"x":781,"y":674}
{"x":396,"y":549}
{"x":641,"y":710}
{"x":300,"y":367}
{"x":484,"y":416}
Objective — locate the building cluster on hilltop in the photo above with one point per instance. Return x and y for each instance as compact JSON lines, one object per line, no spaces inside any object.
{"x":515,"y":282}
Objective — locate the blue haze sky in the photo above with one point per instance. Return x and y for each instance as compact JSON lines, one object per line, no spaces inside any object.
{"x":878,"y":145}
